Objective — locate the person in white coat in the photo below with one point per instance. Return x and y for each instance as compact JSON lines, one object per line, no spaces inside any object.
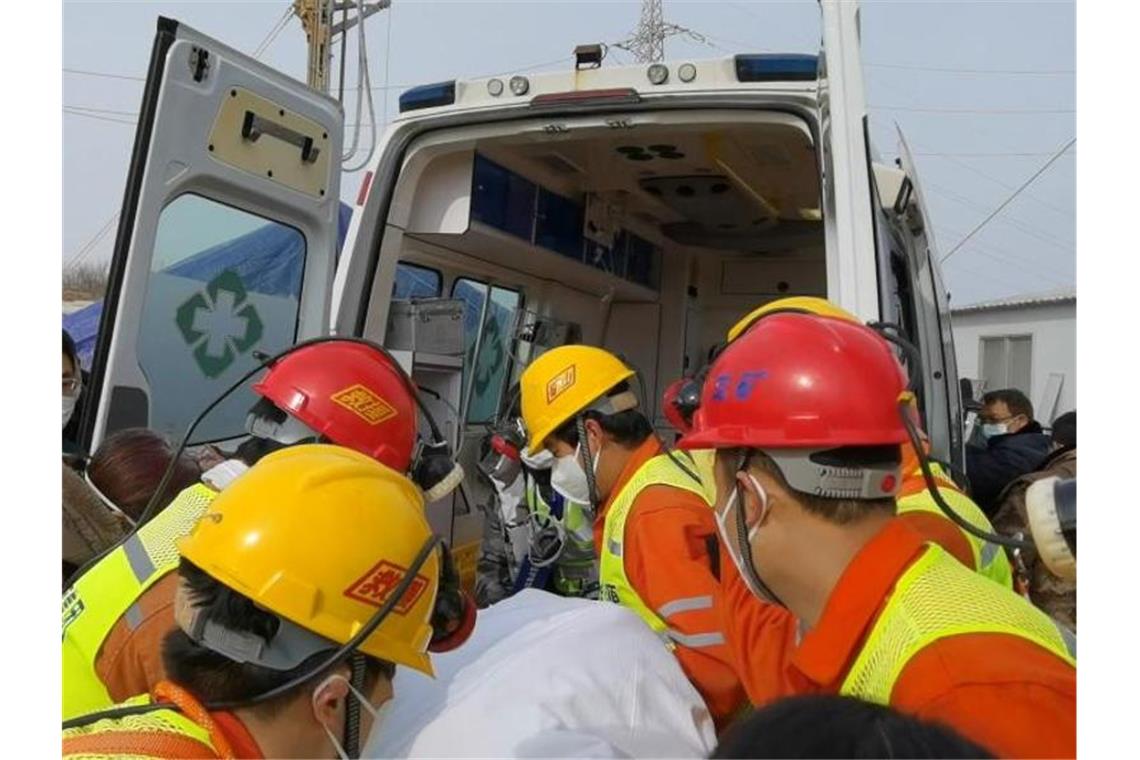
{"x":549,"y":676}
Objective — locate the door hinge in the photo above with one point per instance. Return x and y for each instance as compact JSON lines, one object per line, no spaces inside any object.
{"x":199,"y":62}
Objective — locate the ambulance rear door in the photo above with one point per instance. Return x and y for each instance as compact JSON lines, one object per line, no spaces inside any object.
{"x":226,"y":240}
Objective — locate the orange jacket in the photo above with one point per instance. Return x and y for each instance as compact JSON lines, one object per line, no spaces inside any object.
{"x":669,"y":554}
{"x":997,"y":689}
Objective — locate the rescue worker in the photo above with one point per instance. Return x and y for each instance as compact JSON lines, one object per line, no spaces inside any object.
{"x":534,"y":537}
{"x":117,"y":612}
{"x":653,"y":528}
{"x":913,"y":501}
{"x":278,"y":586}
{"x":806,"y":415}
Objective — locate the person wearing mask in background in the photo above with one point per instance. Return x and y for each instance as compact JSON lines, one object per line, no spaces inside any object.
{"x":127,"y":469}
{"x":801,"y":406}
{"x":89,"y":527}
{"x":831,"y":726}
{"x":1014,"y":445}
{"x":119,"y":608}
{"x":73,"y":382}
{"x":289,"y":564}
{"x":534,"y":537}
{"x":1056,"y":596}
{"x":653,"y":528}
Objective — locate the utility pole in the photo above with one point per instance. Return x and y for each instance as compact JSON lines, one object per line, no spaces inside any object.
{"x":317,"y":19}
{"x":648,"y":43}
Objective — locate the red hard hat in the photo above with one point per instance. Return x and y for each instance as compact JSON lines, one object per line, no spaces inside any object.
{"x":352,"y":394}
{"x":801,"y":381}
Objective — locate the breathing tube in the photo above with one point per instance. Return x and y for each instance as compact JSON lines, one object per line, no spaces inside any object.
{"x":433,"y":459}
{"x":348,"y":650}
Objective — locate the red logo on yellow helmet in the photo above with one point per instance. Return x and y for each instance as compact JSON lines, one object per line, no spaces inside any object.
{"x":365,"y":404}
{"x":375,"y":586}
{"x":561,"y":383}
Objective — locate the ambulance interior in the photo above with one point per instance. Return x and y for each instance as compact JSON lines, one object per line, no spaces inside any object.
{"x":650,"y":242}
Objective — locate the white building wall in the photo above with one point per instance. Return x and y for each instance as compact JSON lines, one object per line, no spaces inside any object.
{"x":1054,"y":331}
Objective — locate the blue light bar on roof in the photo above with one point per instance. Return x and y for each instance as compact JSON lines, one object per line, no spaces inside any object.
{"x":428,"y":96}
{"x":765,"y":67}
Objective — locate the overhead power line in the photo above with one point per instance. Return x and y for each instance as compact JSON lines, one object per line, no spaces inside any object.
{"x":1060,"y":152}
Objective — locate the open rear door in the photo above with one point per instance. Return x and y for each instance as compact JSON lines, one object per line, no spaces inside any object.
{"x":849,"y":209}
{"x":226,"y":239}
{"x":942,"y":394}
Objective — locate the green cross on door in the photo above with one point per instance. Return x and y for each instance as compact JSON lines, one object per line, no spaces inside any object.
{"x":216,"y":324}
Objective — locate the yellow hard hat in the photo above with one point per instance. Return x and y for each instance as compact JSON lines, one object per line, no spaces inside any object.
{"x":320,"y":535}
{"x":563,"y":382}
{"x":807,"y":304}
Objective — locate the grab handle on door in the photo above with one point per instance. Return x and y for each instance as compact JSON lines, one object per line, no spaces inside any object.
{"x":254,"y":126}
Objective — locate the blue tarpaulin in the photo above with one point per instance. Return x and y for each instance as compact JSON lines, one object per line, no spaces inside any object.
{"x":268,"y":260}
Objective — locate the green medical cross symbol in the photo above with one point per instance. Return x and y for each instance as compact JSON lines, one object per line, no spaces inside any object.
{"x":217,"y":323}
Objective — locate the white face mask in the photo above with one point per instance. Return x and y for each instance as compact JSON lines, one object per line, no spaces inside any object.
{"x":569,"y":479}
{"x":69,"y":408}
{"x":379,"y":714}
{"x":995,"y":429}
{"x":727,"y":526}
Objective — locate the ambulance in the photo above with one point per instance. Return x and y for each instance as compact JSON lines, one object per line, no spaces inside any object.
{"x":641,"y":208}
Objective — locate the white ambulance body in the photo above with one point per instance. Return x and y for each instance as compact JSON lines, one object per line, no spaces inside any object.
{"x":642,"y":209}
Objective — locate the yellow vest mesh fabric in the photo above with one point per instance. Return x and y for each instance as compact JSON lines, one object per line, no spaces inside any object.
{"x":106,"y":591}
{"x":660,"y":470}
{"x":990,"y":559}
{"x":937,"y":598}
{"x":156,"y":722}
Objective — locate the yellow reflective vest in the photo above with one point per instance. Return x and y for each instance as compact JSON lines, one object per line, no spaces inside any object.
{"x":937,"y":597}
{"x":109,"y":590}
{"x":159,"y":733}
{"x":615,"y":584}
{"x":990,"y":559}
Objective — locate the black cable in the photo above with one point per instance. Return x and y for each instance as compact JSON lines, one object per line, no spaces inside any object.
{"x":587,"y":464}
{"x":932,"y":488}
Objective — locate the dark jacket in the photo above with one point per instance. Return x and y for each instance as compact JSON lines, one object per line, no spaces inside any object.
{"x":1004,"y":458}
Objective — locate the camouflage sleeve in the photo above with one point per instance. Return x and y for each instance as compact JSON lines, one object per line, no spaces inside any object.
{"x":493,"y":569}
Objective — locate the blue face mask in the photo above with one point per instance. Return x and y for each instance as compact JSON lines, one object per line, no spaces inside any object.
{"x":994,"y":429}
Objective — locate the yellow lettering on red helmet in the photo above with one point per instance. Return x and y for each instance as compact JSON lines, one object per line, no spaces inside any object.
{"x":364,"y":403}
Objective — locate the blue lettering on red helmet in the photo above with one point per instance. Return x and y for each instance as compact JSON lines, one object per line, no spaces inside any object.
{"x":742,"y":388}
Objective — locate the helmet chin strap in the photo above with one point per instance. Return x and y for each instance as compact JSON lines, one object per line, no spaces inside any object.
{"x":749,"y":568}
{"x":352,"y":706}
{"x":587,"y":463}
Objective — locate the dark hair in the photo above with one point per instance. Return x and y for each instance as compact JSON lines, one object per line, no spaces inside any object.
{"x":128,"y":467}
{"x":1016,"y":401}
{"x":253,"y":449}
{"x":1065,"y":430}
{"x":839,"y":511}
{"x":827,"y":726}
{"x":628,"y":428}
{"x":69,"y":348}
{"x":213,"y":677}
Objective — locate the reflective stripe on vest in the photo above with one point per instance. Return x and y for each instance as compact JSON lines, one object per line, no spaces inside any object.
{"x":989,"y":559}
{"x":658,"y":471}
{"x":162,"y":733}
{"x":109,"y":590}
{"x":937,"y":597}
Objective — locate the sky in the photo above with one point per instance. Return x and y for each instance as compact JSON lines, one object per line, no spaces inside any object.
{"x":984,"y":91}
